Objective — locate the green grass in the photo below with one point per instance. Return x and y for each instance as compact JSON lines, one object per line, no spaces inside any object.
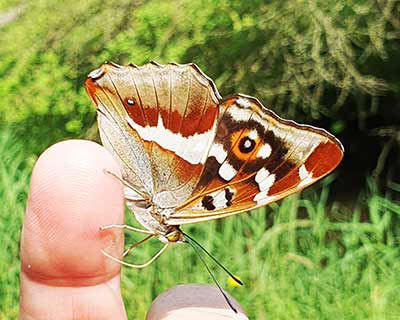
{"x":331,"y":264}
{"x":14,"y":179}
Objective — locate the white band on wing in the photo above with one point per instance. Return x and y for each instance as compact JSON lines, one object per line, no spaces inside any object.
{"x":193,"y":148}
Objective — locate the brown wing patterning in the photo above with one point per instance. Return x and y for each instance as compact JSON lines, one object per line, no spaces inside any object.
{"x":183,"y":147}
{"x":168,"y":115}
{"x":257,"y":158}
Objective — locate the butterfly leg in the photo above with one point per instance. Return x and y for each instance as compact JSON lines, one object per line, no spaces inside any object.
{"x":137,"y":244}
{"x":125,"y":226}
{"x":138,"y":266}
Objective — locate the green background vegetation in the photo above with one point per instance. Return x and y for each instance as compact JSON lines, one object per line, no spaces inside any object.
{"x":331,"y":253}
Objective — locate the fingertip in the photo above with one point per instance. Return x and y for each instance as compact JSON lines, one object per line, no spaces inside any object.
{"x":194,"y":301}
{"x":70,"y":199}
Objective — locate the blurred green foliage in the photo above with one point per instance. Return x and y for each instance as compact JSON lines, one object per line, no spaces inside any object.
{"x":333,"y":63}
{"x":308,"y":60}
{"x":327,"y":264}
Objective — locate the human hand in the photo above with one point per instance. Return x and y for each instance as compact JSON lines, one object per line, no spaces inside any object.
{"x":64,"y":275}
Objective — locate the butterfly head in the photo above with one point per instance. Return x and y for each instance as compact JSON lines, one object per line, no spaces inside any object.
{"x":174,"y":235}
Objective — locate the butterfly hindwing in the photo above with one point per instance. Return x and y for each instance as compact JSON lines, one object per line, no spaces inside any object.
{"x":257,"y":158}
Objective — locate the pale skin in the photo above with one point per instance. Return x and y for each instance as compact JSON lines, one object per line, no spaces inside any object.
{"x":64,"y":275}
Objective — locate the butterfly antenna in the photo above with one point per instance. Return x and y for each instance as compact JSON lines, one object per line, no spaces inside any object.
{"x":236,"y":279}
{"x":212,"y":276}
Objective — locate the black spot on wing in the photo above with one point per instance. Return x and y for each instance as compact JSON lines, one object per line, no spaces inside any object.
{"x":208,"y":203}
{"x":246,"y":145}
{"x":228,"y":197}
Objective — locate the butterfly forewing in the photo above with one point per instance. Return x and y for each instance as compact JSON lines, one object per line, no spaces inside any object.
{"x":123,"y":142}
{"x":257,"y":158}
{"x":160,"y":121}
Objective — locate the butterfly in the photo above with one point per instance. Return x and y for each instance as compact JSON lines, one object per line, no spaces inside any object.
{"x":188,"y":155}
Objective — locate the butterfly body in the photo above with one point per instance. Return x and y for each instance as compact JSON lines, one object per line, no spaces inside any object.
{"x":188,"y":155}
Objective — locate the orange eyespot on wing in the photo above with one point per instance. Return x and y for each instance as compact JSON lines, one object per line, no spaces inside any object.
{"x":257,"y":158}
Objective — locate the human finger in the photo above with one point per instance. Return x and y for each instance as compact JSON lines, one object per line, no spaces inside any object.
{"x":194,"y":301}
{"x":64,"y":275}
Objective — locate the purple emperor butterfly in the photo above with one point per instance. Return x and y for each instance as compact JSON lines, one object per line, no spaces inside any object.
{"x":189,"y":155}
